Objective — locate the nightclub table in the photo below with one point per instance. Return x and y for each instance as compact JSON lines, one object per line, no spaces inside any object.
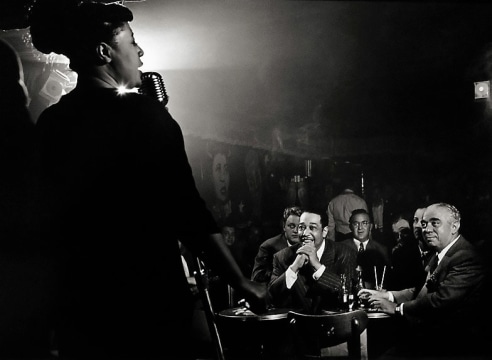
{"x":248,"y":336}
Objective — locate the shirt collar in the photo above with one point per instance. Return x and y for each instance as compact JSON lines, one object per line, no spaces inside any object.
{"x":364,"y":243}
{"x":287,"y":241}
{"x":423,"y":252}
{"x":321,"y":249}
{"x":443,"y":252}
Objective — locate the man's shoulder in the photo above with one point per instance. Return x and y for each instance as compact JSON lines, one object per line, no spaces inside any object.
{"x":273,"y":241}
{"x":376,"y":245}
{"x":338,"y":197}
{"x":343,"y":196}
{"x":464,"y":249}
{"x":356,"y":197}
{"x":346,"y":242}
{"x":286,"y":252}
{"x":462,"y":242}
{"x":345,"y":245}
{"x":337,"y":201}
{"x":340,"y":246}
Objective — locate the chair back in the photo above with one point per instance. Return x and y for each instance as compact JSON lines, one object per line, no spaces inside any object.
{"x":313,"y":334}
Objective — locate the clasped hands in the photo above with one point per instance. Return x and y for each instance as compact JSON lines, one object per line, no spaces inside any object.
{"x":378,"y":299}
{"x":306,"y":254}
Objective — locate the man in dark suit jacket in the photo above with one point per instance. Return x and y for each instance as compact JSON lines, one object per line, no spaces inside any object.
{"x":411,"y":254}
{"x":307,"y":275}
{"x":373,"y":254}
{"x":426,"y":252}
{"x":446,"y":316}
{"x":262,"y":269}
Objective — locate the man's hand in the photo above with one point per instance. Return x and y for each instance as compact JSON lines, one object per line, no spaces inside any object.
{"x":299,"y":262}
{"x":309,"y":250}
{"x":373,"y":294}
{"x":383,"y":305}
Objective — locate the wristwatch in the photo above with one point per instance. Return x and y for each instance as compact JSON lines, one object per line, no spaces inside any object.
{"x":398,"y":310}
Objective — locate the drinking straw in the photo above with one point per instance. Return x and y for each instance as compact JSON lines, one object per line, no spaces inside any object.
{"x":376,"y":276}
{"x":382,"y":279}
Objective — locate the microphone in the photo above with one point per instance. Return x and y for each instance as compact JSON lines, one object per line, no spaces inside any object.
{"x":153,"y":85}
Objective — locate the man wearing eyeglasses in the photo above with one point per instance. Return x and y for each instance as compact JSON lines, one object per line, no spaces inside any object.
{"x":262,"y":269}
{"x":373,"y":258}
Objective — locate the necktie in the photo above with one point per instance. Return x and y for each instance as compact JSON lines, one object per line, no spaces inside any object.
{"x":432,"y":264}
{"x":431,"y":277}
{"x":360,"y":255}
{"x":429,"y":285}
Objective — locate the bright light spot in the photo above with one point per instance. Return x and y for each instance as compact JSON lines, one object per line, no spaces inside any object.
{"x":123,"y":90}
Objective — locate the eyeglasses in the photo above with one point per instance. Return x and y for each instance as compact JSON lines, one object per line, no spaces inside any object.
{"x":363,"y":224}
{"x":291,"y":226}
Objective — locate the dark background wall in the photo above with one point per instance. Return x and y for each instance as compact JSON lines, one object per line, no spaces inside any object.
{"x":382,"y":88}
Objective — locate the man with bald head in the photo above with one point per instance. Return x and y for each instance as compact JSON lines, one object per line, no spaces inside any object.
{"x":446,"y":316}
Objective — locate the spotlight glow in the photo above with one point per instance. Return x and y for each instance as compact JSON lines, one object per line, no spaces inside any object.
{"x":122,"y":89}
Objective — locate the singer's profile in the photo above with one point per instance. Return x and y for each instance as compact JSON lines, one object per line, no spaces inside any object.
{"x":109,"y":162}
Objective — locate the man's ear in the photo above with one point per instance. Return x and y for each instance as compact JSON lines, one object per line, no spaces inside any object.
{"x":103,"y":52}
{"x":455,"y":226}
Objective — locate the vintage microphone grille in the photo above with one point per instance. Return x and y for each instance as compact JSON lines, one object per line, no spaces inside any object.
{"x":153,"y":85}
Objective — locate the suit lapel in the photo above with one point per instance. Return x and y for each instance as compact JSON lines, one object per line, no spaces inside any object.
{"x":328,"y":255}
{"x":435,"y":271}
{"x":431,"y":266}
{"x":303,"y":284}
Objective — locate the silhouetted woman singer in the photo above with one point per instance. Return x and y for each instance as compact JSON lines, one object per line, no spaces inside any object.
{"x":119,"y":192}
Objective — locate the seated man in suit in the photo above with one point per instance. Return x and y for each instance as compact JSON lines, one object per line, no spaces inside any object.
{"x":370,"y":253}
{"x":446,"y":316}
{"x":263,"y":265}
{"x":307,"y":275}
{"x":411,"y":254}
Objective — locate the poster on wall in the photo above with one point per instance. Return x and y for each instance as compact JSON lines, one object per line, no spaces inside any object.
{"x":239,"y":184}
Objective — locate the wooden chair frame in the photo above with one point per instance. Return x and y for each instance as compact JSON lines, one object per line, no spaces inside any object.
{"x":312,"y":333}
